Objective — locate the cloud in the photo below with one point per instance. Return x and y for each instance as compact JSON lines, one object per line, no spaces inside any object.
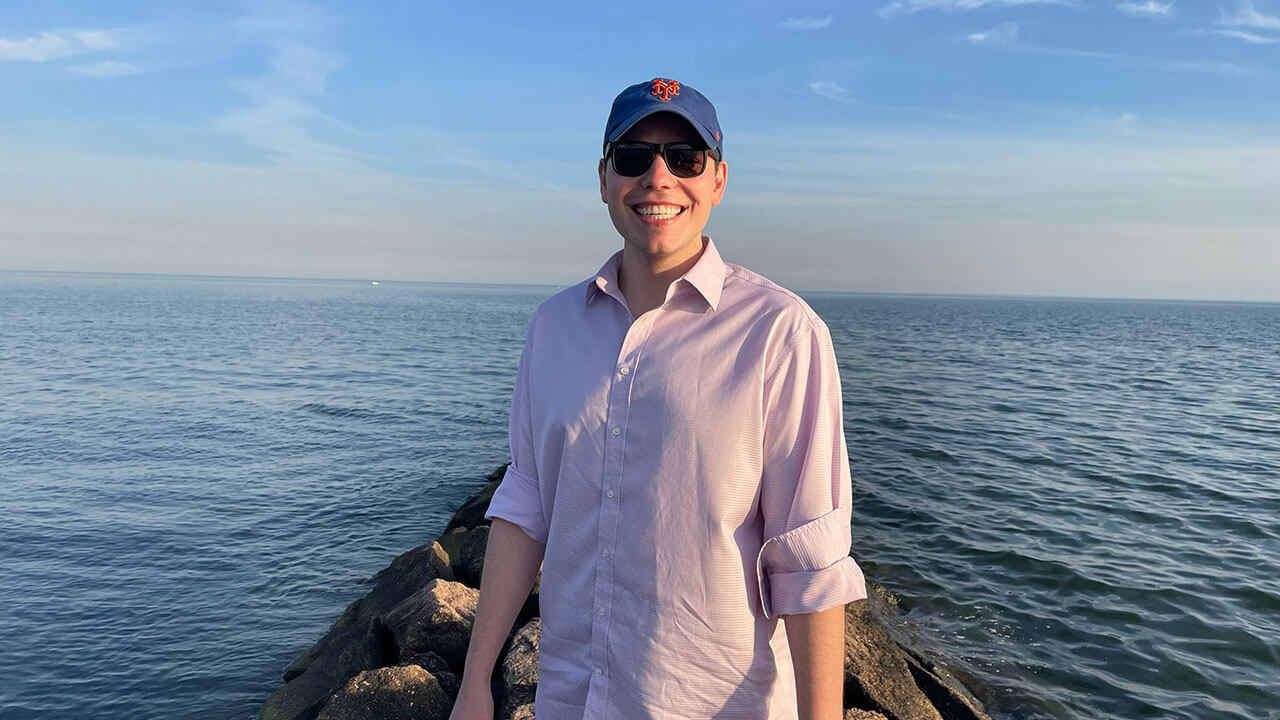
{"x":1251,"y":38}
{"x":282,"y":117}
{"x":96,"y":39}
{"x":1248,"y":16}
{"x":1150,"y":8}
{"x":914,"y":6}
{"x":41,"y":48}
{"x":831,"y":90}
{"x":1004,"y":35}
{"x":107,"y":69}
{"x":1209,"y":66}
{"x":806,"y":23}
{"x":56,"y":45}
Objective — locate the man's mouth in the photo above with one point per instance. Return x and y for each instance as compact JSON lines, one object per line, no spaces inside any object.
{"x":657,"y":211}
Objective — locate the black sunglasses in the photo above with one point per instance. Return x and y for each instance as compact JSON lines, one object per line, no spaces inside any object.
{"x":632,"y":159}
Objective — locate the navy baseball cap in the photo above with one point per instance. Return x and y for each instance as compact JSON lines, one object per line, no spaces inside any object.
{"x":663,"y":95}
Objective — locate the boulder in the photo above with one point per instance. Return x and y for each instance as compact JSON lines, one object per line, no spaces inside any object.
{"x":948,"y":695}
{"x":471,"y":555}
{"x":434,"y":664}
{"x":522,"y":712}
{"x":406,"y":692}
{"x":876,"y":676}
{"x":520,"y":668}
{"x":856,"y":714}
{"x":345,"y":651}
{"x":437,"y":618}
{"x":406,"y":575}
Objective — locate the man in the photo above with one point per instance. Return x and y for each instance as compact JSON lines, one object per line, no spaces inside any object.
{"x":678,"y":465}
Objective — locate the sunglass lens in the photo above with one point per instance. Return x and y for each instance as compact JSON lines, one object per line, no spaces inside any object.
{"x":684,"y":161}
{"x":632,"y":161}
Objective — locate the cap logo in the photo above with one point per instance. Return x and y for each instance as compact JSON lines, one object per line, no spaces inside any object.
{"x":665,"y":89}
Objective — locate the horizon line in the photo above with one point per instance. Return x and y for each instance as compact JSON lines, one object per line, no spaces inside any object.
{"x":466,"y":283}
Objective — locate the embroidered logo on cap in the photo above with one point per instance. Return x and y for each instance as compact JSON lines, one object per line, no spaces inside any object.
{"x":665,"y":89}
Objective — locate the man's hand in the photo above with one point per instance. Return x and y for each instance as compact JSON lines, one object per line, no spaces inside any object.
{"x":474,"y":703}
{"x":817,"y":652}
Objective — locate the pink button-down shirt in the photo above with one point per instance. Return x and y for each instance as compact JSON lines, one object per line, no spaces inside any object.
{"x":688,"y":474}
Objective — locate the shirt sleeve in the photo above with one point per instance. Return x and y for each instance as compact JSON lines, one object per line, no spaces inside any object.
{"x":518,"y":498}
{"x":806,"y":495}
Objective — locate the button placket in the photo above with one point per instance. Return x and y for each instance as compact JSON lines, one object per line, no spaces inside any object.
{"x":615,"y":441}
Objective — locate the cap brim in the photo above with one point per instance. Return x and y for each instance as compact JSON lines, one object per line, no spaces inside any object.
{"x":630,"y":122}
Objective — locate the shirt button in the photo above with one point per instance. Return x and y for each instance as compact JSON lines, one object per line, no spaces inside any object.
{"x":600,"y":611}
{"x":605,"y":552}
{"x":598,"y":672}
{"x":625,"y":371}
{"x":616,"y":431}
{"x":609,"y":492}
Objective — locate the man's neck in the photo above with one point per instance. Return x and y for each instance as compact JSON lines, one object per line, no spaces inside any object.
{"x":644,"y":280}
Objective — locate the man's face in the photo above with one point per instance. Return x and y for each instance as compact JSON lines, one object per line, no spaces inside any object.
{"x":658,"y":214}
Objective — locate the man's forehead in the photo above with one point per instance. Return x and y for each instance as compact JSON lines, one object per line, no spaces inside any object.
{"x":666,"y":123}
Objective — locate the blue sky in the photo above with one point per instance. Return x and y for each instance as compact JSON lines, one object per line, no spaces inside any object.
{"x":1059,"y":147}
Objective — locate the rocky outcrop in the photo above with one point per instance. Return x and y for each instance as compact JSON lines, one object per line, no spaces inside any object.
{"x":406,"y":692}
{"x":398,"y":651}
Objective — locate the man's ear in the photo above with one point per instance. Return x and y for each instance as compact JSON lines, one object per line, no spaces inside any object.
{"x":722,"y":177}
{"x":600,"y":170}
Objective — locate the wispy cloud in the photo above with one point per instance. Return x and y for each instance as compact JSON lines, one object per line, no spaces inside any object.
{"x":1002,"y":36}
{"x":38,"y":48}
{"x":831,"y":90}
{"x":1150,"y":8}
{"x":1005,"y":37}
{"x":1209,"y":66}
{"x":107,"y":69}
{"x":805,"y":23}
{"x":282,"y":117}
{"x":96,"y":39}
{"x":1246,"y":15}
{"x":62,"y":44}
{"x":1251,"y":38}
{"x":914,"y":6}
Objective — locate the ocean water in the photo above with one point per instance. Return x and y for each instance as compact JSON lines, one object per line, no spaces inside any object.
{"x":1078,"y":502}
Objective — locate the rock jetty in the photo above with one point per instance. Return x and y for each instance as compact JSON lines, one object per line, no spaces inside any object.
{"x":397,"y":653}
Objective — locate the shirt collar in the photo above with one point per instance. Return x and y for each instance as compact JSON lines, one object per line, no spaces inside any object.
{"x":706,"y":276}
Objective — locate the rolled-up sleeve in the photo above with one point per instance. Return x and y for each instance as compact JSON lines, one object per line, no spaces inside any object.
{"x":518,"y":498}
{"x":806,"y":496}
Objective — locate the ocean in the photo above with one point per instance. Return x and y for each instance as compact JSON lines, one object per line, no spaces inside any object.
{"x":1077,"y":501}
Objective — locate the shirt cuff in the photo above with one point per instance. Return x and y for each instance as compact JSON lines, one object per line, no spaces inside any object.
{"x":518,"y":502}
{"x":808,"y":569}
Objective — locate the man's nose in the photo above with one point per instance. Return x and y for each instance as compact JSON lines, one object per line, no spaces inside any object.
{"x":659,"y":175}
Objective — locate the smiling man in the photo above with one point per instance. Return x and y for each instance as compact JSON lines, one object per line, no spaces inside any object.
{"x":679,"y":469}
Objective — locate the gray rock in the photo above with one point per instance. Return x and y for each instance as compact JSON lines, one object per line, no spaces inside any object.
{"x":948,"y":695}
{"x":876,"y":676}
{"x":451,"y":543}
{"x":407,"y":692}
{"x":406,"y":575}
{"x":522,"y":712}
{"x":437,"y":618}
{"x":520,"y":668}
{"x":434,"y":664}
{"x":471,"y":555}
{"x":856,"y":714}
{"x":355,"y":646}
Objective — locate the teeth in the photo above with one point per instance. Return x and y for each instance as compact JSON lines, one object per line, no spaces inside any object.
{"x":660,"y":212}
